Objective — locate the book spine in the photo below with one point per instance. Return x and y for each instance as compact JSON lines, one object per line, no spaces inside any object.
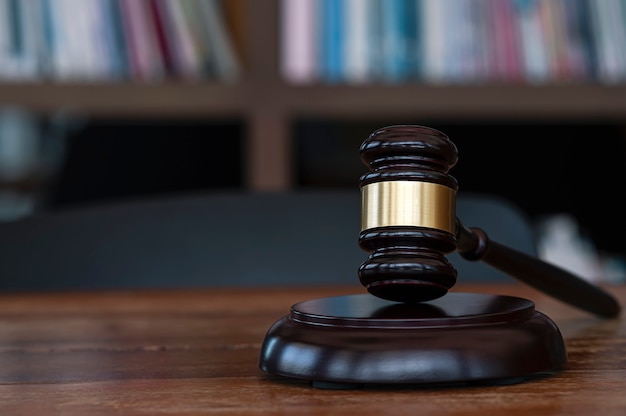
{"x":395,"y":41}
{"x":113,"y":40}
{"x":198,"y":36}
{"x":479,"y":41}
{"x":435,"y":34}
{"x":534,"y":55}
{"x":228,"y":67}
{"x":147,"y":63}
{"x":374,"y":39}
{"x":616,"y":38}
{"x":185,"y":58}
{"x":299,"y":41}
{"x":25,"y":17}
{"x":509,"y":51}
{"x":235,"y":19}
{"x":158,"y":18}
{"x":357,"y":63}
{"x":331,"y":32}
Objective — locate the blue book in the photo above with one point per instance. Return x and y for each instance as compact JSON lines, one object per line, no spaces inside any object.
{"x":399,"y":39}
{"x":50,"y":38}
{"x":114,"y":39}
{"x":15,"y":20}
{"x":374,"y":39}
{"x":414,"y":39}
{"x":119,"y":38}
{"x":331,"y":55}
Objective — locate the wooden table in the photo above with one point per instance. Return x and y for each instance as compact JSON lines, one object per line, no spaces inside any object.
{"x":193,"y":352}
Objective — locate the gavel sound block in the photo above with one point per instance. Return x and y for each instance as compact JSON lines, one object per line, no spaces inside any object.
{"x":409,"y":329}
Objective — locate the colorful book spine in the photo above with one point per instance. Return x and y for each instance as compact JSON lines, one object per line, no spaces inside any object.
{"x":331,"y":40}
{"x":299,"y":41}
{"x":144,"y":55}
{"x":435,"y":34}
{"x":227,"y":64}
{"x":398,"y":40}
{"x":358,"y":47}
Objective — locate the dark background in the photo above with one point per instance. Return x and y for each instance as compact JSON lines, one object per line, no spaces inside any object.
{"x":545,"y":168}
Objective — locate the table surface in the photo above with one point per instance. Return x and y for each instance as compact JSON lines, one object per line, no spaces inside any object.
{"x":187,"y":352}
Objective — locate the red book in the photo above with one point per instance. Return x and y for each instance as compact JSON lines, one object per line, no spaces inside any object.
{"x":145,"y":61}
{"x":159,"y":18}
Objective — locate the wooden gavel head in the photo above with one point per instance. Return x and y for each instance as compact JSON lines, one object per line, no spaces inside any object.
{"x":409,"y":225}
{"x":408,"y":218}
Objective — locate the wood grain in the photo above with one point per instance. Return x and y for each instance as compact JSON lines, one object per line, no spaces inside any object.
{"x":196,"y":352}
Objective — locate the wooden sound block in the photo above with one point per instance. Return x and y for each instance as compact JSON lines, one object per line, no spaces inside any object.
{"x":461,"y":337}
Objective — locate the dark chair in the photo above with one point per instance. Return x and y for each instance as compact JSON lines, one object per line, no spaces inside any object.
{"x":219,"y":239}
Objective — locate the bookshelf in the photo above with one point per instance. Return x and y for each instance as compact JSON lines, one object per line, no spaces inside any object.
{"x":269,"y":106}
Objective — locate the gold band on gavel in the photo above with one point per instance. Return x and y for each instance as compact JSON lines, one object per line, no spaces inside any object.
{"x":408,"y":203}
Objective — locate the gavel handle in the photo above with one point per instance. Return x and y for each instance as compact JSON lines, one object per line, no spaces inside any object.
{"x":474,"y":244}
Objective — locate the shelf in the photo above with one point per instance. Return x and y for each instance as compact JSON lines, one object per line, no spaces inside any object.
{"x":174,"y":99}
{"x":493,"y":101}
{"x":205,"y":99}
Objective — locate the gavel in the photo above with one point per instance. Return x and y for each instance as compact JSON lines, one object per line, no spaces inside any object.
{"x":412,"y":330}
{"x":409,"y":225}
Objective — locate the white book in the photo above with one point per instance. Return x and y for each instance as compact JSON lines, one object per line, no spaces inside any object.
{"x":611,"y":40}
{"x":531,"y":37}
{"x":435,"y":34}
{"x":76,"y":52}
{"x":458,"y":48}
{"x":298,"y":41}
{"x":90,"y":42}
{"x":358,"y":45}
